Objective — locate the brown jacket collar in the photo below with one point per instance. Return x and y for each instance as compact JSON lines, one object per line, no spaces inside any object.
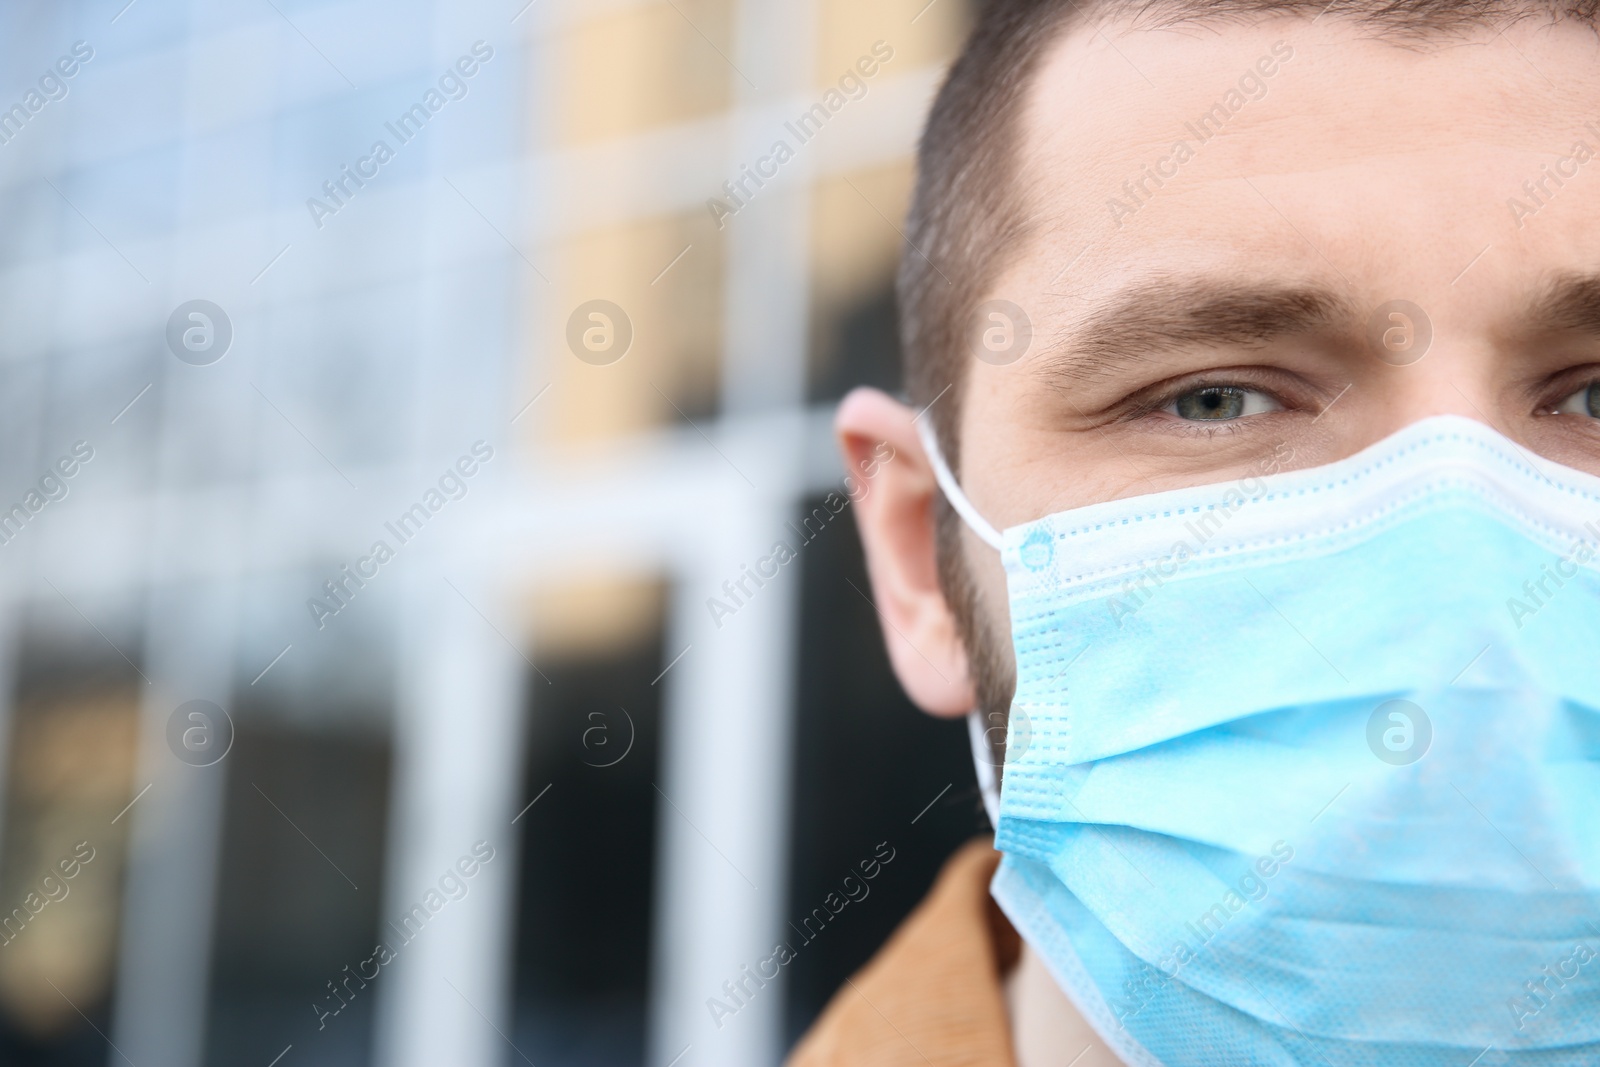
{"x":932,"y":996}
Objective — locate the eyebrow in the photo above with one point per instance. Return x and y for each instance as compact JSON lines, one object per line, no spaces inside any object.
{"x":1169,"y":314}
{"x":1568,"y":302}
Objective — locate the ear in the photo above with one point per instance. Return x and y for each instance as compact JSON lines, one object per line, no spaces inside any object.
{"x":893,"y":493}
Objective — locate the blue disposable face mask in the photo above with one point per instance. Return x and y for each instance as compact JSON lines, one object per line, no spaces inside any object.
{"x":1305,"y":768}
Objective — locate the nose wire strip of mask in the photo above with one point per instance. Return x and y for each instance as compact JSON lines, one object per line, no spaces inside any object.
{"x":952,"y":491}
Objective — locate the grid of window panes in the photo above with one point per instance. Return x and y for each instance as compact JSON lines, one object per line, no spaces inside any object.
{"x":527,"y":667}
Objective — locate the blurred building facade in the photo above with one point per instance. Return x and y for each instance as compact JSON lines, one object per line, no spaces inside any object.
{"x":555,"y":674}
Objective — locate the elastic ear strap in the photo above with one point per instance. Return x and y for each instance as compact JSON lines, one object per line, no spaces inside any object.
{"x":982,"y":759}
{"x":952,"y":492}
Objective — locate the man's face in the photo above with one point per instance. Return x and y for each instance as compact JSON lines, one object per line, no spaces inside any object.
{"x":1365,"y":172}
{"x":1186,"y":333}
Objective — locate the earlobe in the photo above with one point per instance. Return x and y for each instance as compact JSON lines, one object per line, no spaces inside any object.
{"x":878,"y":437}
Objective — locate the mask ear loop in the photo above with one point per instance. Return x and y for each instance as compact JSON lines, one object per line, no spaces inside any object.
{"x":952,"y":491}
{"x":977,"y":733}
{"x":982,"y":759}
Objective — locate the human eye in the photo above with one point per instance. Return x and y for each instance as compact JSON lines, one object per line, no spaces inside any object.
{"x":1585,"y":401}
{"x":1224,"y":403}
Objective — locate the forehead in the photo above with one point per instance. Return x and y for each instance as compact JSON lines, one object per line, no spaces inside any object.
{"x":1312,"y":150}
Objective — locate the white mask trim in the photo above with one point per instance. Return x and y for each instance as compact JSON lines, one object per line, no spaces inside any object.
{"x":983,"y":760}
{"x":977,"y":731}
{"x":952,"y":490}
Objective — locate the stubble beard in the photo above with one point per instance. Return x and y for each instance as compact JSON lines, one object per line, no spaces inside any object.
{"x":990,"y":661}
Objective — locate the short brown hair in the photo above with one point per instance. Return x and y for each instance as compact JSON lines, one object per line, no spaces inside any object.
{"x":967,"y":212}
